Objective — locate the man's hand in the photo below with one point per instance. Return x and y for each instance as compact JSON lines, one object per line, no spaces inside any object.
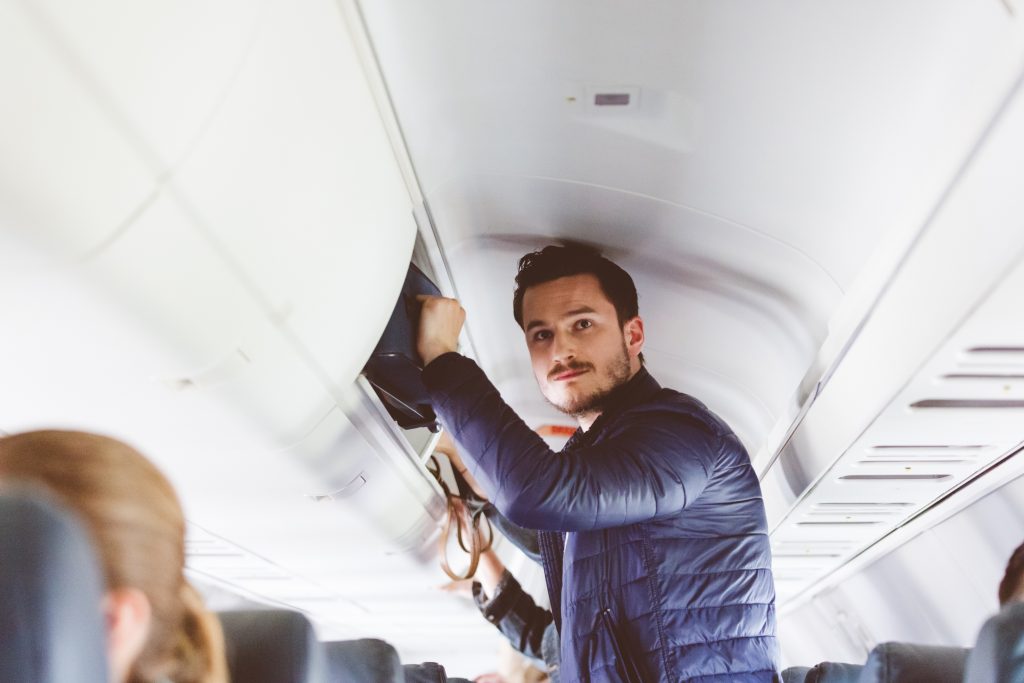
{"x":441,"y":321}
{"x":447,"y":446}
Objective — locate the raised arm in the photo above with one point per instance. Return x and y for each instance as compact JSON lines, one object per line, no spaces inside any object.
{"x":653,"y":466}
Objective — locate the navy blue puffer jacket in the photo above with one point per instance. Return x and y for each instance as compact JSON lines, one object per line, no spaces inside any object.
{"x":666,"y":574}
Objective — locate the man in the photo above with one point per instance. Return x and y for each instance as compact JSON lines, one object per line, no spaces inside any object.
{"x":653,"y":533}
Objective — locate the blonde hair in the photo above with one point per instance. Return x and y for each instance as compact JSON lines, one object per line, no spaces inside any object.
{"x":138,"y":529}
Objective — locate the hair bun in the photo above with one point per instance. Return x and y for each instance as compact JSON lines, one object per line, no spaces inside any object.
{"x":199,"y":650}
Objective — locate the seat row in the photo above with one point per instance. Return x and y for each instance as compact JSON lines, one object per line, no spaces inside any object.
{"x":52,"y":631}
{"x":280,"y":646}
{"x":997,"y":657}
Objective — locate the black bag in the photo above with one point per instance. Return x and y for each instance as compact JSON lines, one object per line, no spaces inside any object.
{"x":395,"y":367}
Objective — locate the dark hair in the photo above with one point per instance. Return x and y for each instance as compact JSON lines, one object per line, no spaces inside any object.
{"x":1012,"y":578}
{"x":554,"y":262}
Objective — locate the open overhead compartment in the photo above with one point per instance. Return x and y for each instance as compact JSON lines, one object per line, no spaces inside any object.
{"x":198,"y":255}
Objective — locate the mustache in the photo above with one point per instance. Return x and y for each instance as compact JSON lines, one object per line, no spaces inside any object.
{"x":571,"y":367}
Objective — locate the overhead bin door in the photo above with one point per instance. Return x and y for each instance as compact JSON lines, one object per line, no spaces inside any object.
{"x":223,"y":171}
{"x":203,"y":231}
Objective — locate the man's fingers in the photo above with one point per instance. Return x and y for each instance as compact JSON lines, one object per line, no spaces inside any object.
{"x":441,"y":321}
{"x":440,"y":300}
{"x":431,"y":297}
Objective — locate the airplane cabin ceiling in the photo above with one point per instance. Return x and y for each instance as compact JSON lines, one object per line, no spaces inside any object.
{"x":766,"y":154}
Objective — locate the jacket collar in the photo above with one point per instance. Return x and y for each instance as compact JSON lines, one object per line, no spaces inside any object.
{"x":641,"y":387}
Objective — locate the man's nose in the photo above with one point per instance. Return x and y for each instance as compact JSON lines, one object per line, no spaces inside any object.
{"x":563,"y":349}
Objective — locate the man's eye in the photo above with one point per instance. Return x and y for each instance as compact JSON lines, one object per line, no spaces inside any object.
{"x":584,"y":324}
{"x":542,"y":335}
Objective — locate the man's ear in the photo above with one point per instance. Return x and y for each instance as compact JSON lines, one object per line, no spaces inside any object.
{"x":128,"y":615}
{"x":633,"y":332}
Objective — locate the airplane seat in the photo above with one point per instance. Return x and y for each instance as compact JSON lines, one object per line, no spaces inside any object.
{"x":272,"y":646}
{"x":795,"y":674}
{"x":998,"y":655}
{"x":429,"y":672}
{"x":912,"y":663}
{"x":833,"y":672}
{"x":367,"y":660}
{"x":51,"y":626}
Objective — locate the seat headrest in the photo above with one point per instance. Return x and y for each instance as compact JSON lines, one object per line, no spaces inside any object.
{"x":910,"y":663}
{"x":429,"y":672}
{"x":51,"y":625}
{"x":834,"y":672}
{"x":999,"y":653}
{"x":272,"y":646}
{"x":363,"y":661}
{"x":795,"y":674}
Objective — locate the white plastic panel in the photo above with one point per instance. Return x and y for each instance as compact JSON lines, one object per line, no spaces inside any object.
{"x":937,"y":588}
{"x":729,"y":312}
{"x":68,"y":178}
{"x":869,"y":437}
{"x":161,"y":67}
{"x":824,"y":124}
{"x":176,"y":285}
{"x":217,"y":320}
{"x":765,"y":154}
{"x":297,"y":180}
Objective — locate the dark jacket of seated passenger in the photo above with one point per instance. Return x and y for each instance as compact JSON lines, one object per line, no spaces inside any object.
{"x":653,"y":523}
{"x":528,"y":627}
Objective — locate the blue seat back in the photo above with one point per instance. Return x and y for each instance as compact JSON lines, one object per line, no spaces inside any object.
{"x":795,"y":674}
{"x":429,"y":672}
{"x":272,"y":646}
{"x":51,"y":625}
{"x":910,"y":663}
{"x":834,"y":672}
{"x":999,"y":652}
{"x":363,"y":661}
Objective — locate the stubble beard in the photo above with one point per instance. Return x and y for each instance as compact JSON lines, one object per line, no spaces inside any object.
{"x":616,"y":374}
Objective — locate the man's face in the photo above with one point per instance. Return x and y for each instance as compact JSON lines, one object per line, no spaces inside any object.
{"x":579,"y":351}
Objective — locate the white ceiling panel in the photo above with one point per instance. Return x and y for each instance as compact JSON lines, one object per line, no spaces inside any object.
{"x":297,"y":180}
{"x":69,"y":181}
{"x":161,"y":68}
{"x":765,"y":153}
{"x":823,"y":124}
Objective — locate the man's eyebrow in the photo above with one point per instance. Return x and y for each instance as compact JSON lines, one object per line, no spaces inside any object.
{"x":574,"y":312}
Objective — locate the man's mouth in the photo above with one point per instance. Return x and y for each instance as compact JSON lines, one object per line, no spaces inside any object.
{"x":569,"y":375}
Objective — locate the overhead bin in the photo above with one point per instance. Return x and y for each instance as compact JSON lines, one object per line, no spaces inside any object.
{"x":914,"y":408}
{"x":68,"y":176}
{"x":395,"y":368}
{"x":219,"y":230}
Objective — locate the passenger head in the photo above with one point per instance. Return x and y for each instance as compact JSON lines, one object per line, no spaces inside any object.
{"x":1011,"y":588}
{"x":580,"y":315}
{"x":157,"y":627}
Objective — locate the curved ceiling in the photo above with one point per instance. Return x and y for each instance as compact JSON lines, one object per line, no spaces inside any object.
{"x":764,"y":154}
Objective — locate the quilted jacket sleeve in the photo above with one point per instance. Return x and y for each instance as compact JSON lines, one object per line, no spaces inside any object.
{"x":651,"y":464}
{"x":524,"y":539}
{"x":513,"y":611}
